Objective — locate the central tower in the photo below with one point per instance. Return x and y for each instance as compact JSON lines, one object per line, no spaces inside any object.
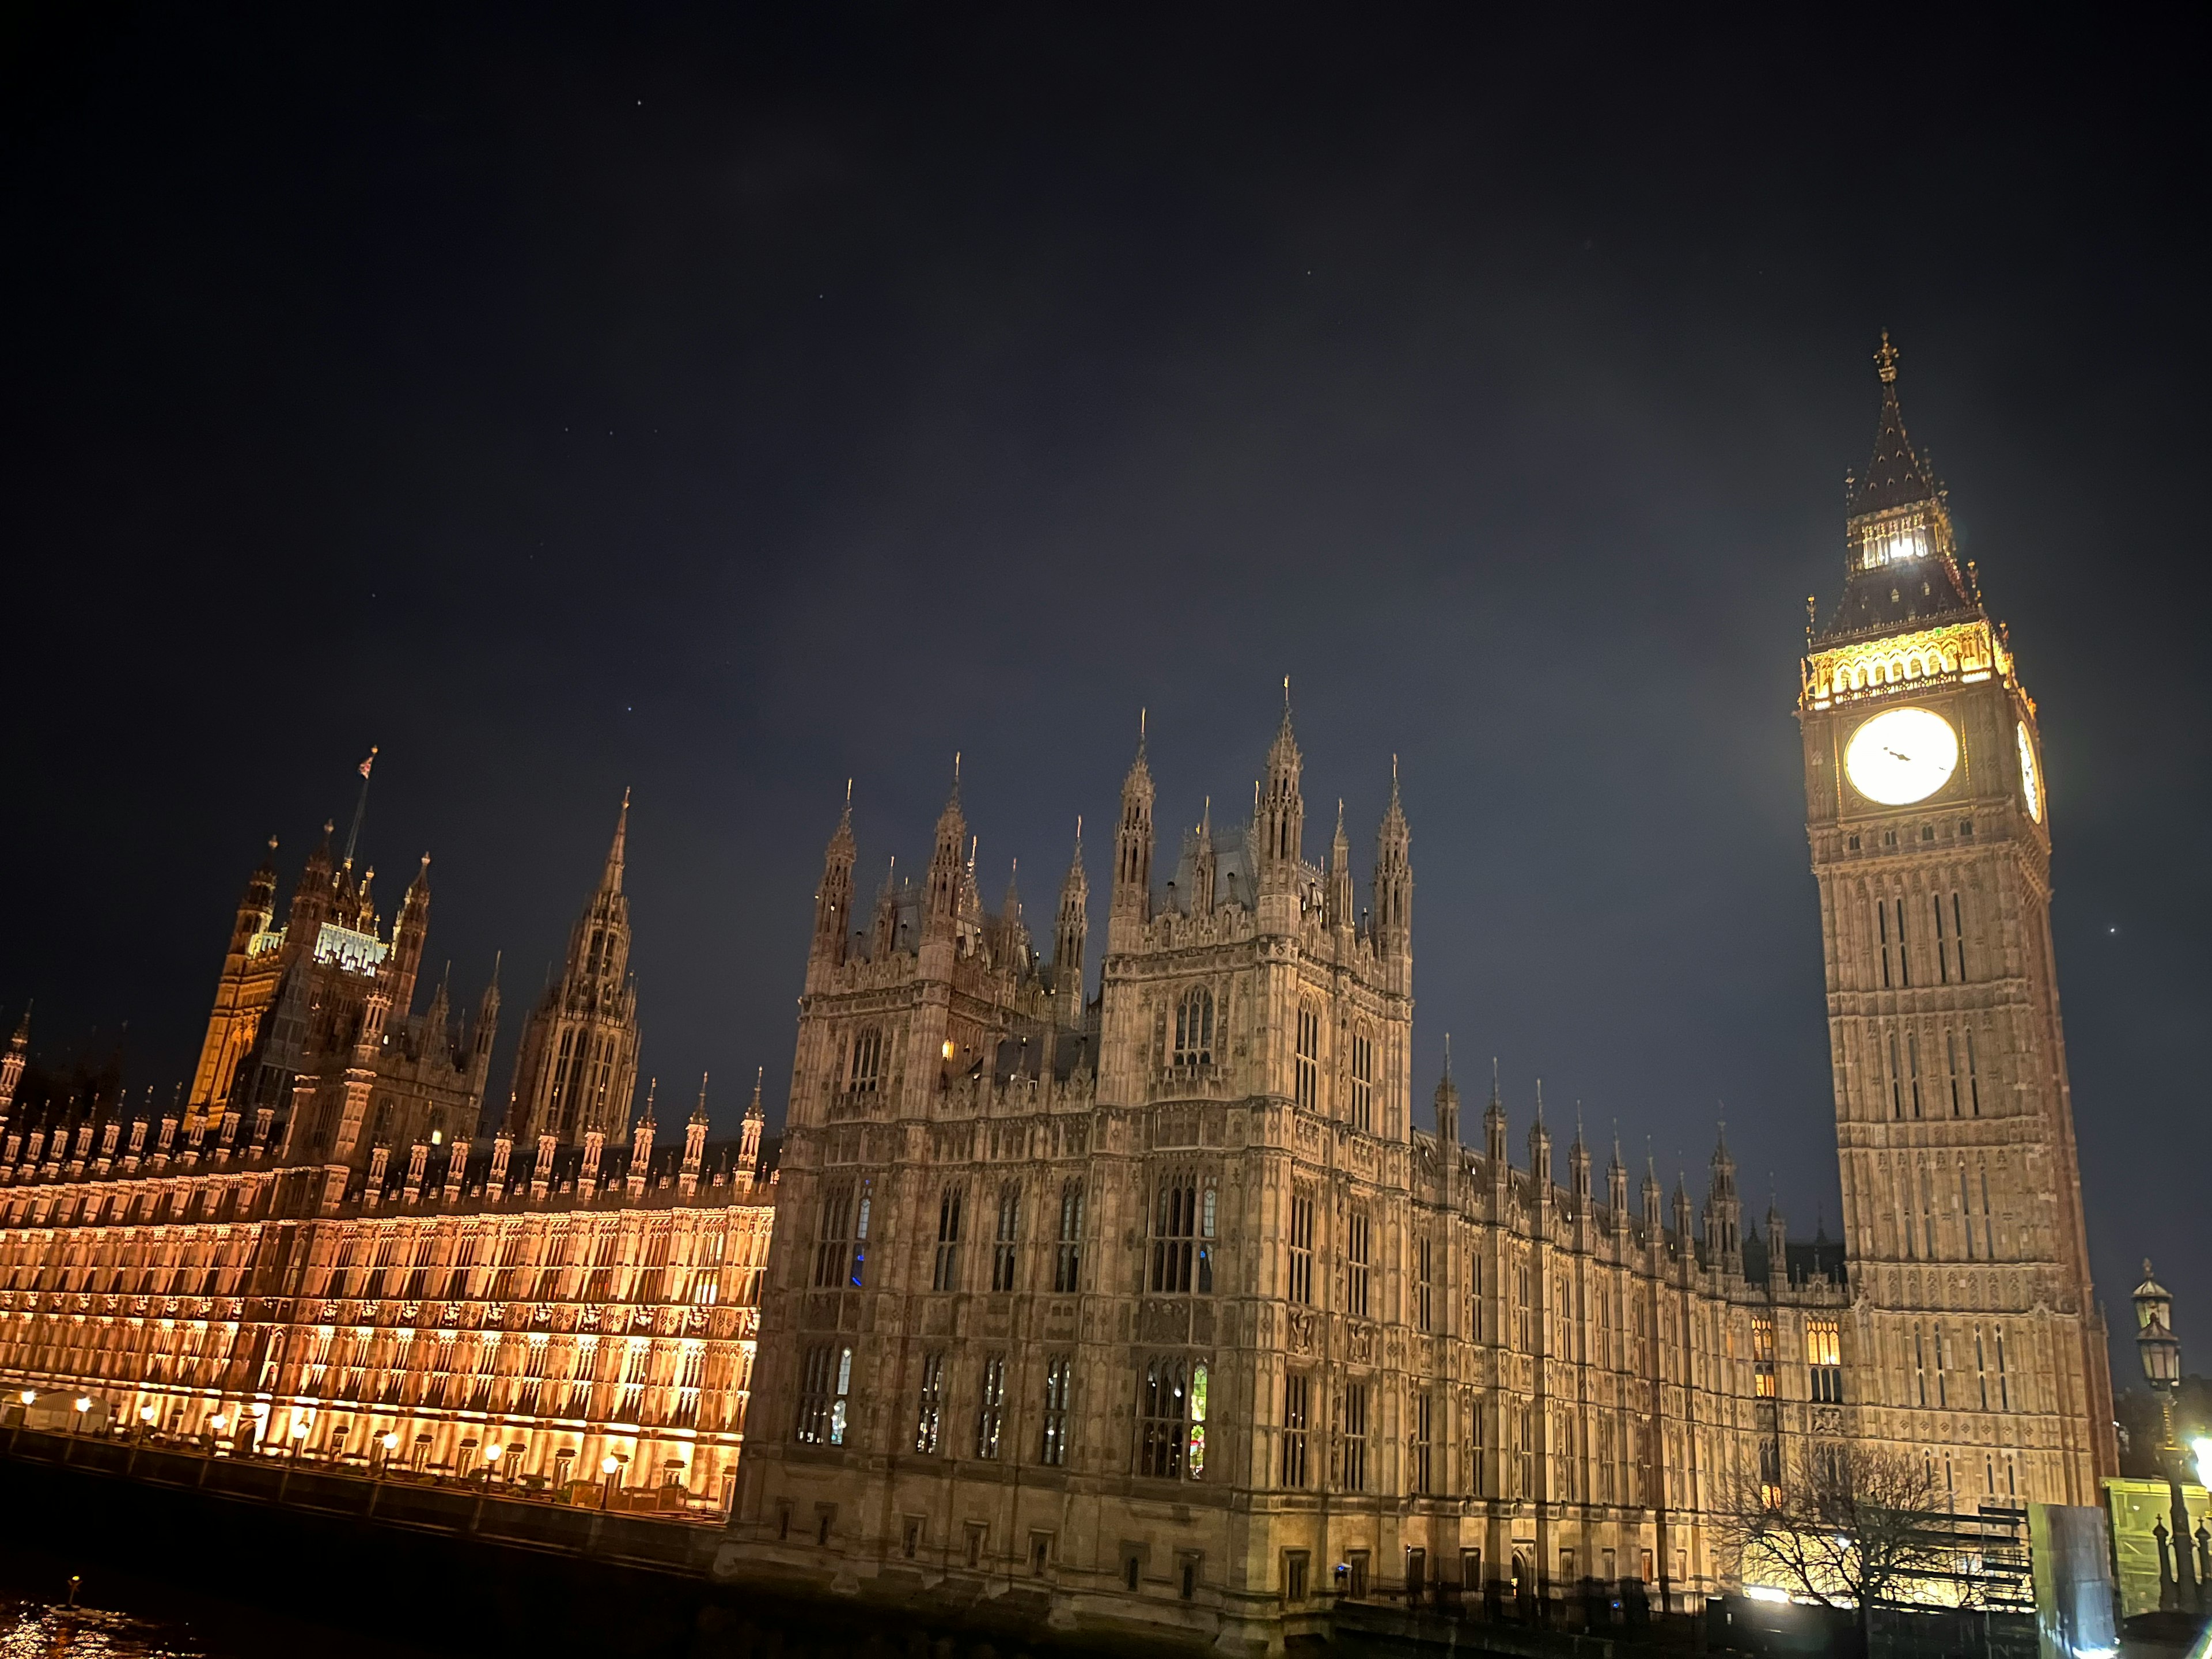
{"x":1977,"y":1330}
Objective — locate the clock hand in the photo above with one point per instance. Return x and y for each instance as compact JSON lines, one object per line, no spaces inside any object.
{"x":1897,"y":755}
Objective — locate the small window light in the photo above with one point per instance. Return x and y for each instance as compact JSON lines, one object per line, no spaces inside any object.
{"x":437,"y":1137}
{"x":948,"y":1047}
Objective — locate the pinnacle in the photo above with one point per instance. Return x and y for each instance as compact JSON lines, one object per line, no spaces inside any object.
{"x":753,"y":1109}
{"x":610,"y":881}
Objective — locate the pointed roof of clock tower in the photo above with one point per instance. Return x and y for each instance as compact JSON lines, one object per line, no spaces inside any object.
{"x":1902,"y":568}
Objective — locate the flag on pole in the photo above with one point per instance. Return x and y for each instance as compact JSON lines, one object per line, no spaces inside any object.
{"x":370,"y":762}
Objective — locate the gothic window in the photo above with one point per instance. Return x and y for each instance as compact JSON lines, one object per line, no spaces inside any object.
{"x":1958,"y":922}
{"x":1067,"y":1261}
{"x":1965,"y":1211}
{"x":1982,"y":1367}
{"x":1423,"y":1405}
{"x":1942,"y":1391}
{"x":1363,"y":1082}
{"x":1919,"y":1366}
{"x":1896,"y":1086}
{"x":1358,"y":1233}
{"x":1351,"y":1434}
{"x":991,"y":1407}
{"x":1913,"y":1062}
{"x":1903,"y":954}
{"x":834,"y":1232}
{"x":929,"y":1418}
{"x":1881,"y":930}
{"x":2004,"y":1383}
{"x":945,"y":1274}
{"x":867,"y":1061}
{"x":1003,"y":1246}
{"x":1951,"y":1067}
{"x":1164,"y":1419}
{"x":1184,"y":1213}
{"x":1424,"y":1290}
{"x":1195,"y":1443}
{"x":1302,"y":1237}
{"x":1762,"y":1355}
{"x":1974,"y":1081}
{"x":1942,"y":956}
{"x":1308,"y":1082}
{"x":1474,"y":1296}
{"x":1824,"y":1353}
{"x":1058,"y":1386}
{"x":1194,"y":1028}
{"x":825,"y":1383}
{"x":1770,"y":1473}
{"x":1298,"y":1420}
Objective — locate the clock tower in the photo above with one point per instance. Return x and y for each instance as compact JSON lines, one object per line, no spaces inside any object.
{"x":1979,"y":1337}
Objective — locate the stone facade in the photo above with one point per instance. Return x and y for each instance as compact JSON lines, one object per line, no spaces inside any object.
{"x":1979,"y":1332}
{"x":1155,"y":1308}
{"x":320,"y":1257}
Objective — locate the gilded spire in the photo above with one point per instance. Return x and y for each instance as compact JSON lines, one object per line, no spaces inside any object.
{"x":1898,"y":474}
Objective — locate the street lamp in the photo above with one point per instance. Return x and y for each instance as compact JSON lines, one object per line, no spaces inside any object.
{"x":610,"y":1466}
{"x":2161,"y":1362}
{"x":84,"y":1405}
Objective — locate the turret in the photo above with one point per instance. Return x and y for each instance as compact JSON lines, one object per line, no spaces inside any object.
{"x":946,"y":883}
{"x":1724,"y":1214}
{"x":502,"y":1150}
{"x":833,"y":900}
{"x":409,"y":933}
{"x":695,"y":1143}
{"x":640,"y":1143}
{"x":12,"y":1062}
{"x":1393,"y":879}
{"x":1133,"y":851}
{"x":1446,"y":1102}
{"x":755,"y":1121}
{"x":1202,"y":866}
{"x":1683,"y":1242}
{"x":1578,"y":1170}
{"x":1777,"y":1247}
{"x":311,"y":898}
{"x":1616,"y":1184}
{"x":587,"y":1172}
{"x":1539,"y":1149}
{"x":1654,"y":1197}
{"x":457,"y":1169}
{"x":1493,"y":1125}
{"x":883,"y":938}
{"x":418,"y":1166}
{"x":1071,"y":927}
{"x":1282,"y":810}
{"x":1341,"y":898}
{"x":541,"y":1172}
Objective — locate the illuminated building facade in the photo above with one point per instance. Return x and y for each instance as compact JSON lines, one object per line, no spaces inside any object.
{"x":1978,"y":1331}
{"x":1157,"y":1309}
{"x":321,"y":1256}
{"x":577,"y":1071}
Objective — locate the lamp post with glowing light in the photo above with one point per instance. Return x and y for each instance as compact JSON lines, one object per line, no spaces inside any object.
{"x":2161,"y":1362}
{"x":610,"y":1466}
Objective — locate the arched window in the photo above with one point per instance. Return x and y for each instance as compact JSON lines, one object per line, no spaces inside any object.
{"x":1184,"y":1215}
{"x":867,"y":1061}
{"x":1194,"y":1028}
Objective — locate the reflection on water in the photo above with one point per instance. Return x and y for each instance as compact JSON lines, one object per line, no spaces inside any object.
{"x":42,"y":1629}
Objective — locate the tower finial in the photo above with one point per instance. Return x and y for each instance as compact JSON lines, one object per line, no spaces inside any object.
{"x":1447,"y":1054}
{"x":1884,"y":361}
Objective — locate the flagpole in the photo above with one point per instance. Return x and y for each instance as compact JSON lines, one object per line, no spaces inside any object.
{"x":360,"y":807}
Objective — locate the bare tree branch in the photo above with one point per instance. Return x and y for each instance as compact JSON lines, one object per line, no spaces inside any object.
{"x":1850,"y":1523}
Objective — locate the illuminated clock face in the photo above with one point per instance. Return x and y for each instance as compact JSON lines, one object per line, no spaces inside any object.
{"x":1902,"y":756}
{"x":2031,"y":781}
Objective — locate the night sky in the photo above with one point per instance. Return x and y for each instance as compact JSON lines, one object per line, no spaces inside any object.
{"x":722,"y":406}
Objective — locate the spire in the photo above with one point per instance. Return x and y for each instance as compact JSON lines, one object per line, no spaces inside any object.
{"x":1448,"y":1102}
{"x":754,"y":1111}
{"x":611,"y":880}
{"x":1133,"y":840}
{"x":1282,"y":808}
{"x":651,"y":1087}
{"x":1493,"y":1123}
{"x":699,"y":1112}
{"x":833,"y":900}
{"x":947,"y":872}
{"x":1898,"y":475}
{"x":1394,"y":878}
{"x":1340,"y":900}
{"x":1071,"y":927}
